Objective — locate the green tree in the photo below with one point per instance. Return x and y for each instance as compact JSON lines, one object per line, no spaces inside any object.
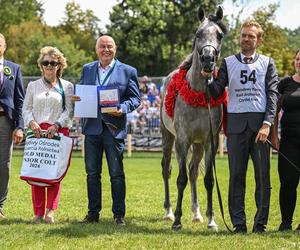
{"x":82,"y":26}
{"x":18,"y":11}
{"x":25,"y":49}
{"x":293,"y":38}
{"x":155,"y":35}
{"x":275,"y":40}
{"x":275,"y":43}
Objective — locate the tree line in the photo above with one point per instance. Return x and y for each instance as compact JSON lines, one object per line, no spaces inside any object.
{"x":152,"y":35}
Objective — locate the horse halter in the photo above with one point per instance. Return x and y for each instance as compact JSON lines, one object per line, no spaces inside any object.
{"x":208,"y":60}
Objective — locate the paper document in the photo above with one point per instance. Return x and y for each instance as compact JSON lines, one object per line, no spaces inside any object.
{"x":88,"y":106}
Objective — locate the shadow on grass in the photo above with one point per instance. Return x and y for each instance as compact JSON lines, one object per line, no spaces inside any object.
{"x":141,"y":225}
{"x":14,"y":221}
{"x":134,"y":225}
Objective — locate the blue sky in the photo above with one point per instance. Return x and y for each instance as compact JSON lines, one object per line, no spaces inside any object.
{"x":286,"y":16}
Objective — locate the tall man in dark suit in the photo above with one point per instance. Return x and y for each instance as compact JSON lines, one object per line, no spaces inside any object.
{"x":107,"y":132}
{"x":11,"y":121}
{"x":252,"y":88}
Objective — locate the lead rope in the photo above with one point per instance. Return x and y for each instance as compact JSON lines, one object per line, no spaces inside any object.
{"x":279,"y":152}
{"x":213,"y":158}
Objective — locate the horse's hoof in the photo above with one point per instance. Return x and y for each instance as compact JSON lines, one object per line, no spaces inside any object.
{"x":198,"y":218}
{"x":169,"y":217}
{"x":213,"y":226}
{"x":176,"y":227}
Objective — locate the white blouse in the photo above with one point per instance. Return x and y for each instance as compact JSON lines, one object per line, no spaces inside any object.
{"x":45,"y":104}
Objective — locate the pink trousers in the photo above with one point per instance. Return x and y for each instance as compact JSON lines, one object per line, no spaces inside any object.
{"x":39,"y":198}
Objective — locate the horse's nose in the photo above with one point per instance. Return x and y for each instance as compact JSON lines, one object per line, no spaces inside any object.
{"x":207,"y":58}
{"x":208,"y":62}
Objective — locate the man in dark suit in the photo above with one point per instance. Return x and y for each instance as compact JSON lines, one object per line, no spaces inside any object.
{"x":252,"y":89}
{"x":11,"y":121}
{"x":107,"y":132}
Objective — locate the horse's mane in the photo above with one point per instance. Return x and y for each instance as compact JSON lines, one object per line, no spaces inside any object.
{"x":187,"y":62}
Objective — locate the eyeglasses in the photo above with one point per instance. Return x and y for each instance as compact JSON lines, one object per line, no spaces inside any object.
{"x":52,"y":63}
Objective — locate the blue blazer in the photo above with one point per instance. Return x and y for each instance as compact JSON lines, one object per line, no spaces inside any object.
{"x":12,"y":95}
{"x":123,"y":77}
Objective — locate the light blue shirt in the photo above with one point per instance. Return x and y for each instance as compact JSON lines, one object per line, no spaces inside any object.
{"x":103,"y":73}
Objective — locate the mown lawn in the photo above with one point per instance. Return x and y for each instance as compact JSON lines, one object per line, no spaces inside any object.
{"x":145,"y":228}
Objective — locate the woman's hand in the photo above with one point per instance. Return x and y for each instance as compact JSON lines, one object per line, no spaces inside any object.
{"x":75,"y":98}
{"x":36,"y":129}
{"x":52,"y":130}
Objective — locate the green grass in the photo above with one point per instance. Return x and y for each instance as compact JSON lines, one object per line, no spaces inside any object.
{"x":145,"y":228}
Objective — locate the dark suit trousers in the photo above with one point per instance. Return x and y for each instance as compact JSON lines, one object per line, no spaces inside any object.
{"x":5,"y":156}
{"x":95,"y":146}
{"x":240,"y":147}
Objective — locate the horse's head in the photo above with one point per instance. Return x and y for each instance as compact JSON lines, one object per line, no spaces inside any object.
{"x":208,"y":39}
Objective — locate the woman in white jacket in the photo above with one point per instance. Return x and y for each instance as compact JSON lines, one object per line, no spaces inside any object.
{"x":47,"y":106}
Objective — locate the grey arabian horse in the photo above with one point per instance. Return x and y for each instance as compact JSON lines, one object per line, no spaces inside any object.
{"x":189,"y":127}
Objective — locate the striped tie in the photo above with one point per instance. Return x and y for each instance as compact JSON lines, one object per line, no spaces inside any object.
{"x":247,"y":59}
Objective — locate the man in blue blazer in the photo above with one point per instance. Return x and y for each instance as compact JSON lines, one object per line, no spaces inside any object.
{"x":107,"y":132}
{"x":11,"y":121}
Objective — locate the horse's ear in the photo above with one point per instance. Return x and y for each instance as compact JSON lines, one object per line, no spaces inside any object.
{"x":219,"y":13}
{"x":201,"y":14}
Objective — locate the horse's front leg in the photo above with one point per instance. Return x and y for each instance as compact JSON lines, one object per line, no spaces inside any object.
{"x":167,"y":145}
{"x":181,"y":153}
{"x":209,"y":182}
{"x":193,"y":176}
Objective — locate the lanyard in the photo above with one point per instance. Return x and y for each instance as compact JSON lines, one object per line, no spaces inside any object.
{"x":61,"y":91}
{"x":108,"y":74}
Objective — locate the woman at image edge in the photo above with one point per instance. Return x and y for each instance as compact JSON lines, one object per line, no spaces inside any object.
{"x":289,"y":88}
{"x":47,"y":106}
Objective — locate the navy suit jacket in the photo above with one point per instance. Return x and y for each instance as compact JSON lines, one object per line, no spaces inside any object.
{"x":12,"y":95}
{"x":123,"y":77}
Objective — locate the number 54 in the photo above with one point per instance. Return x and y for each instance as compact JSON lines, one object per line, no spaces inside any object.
{"x":245,"y":78}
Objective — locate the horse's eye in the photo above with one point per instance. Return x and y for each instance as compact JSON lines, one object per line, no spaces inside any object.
{"x":199,"y":34}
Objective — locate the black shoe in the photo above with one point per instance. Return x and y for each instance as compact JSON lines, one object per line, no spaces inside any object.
{"x":240,"y":229}
{"x":259,"y":228}
{"x":119,"y":220}
{"x":284,"y":227}
{"x":90,"y":218}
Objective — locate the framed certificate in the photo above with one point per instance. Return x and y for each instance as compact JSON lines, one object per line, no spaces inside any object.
{"x":109,"y":99}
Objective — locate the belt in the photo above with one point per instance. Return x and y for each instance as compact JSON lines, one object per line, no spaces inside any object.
{"x":2,"y":113}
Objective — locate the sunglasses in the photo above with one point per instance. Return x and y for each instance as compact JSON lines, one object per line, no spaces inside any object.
{"x":52,"y":63}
